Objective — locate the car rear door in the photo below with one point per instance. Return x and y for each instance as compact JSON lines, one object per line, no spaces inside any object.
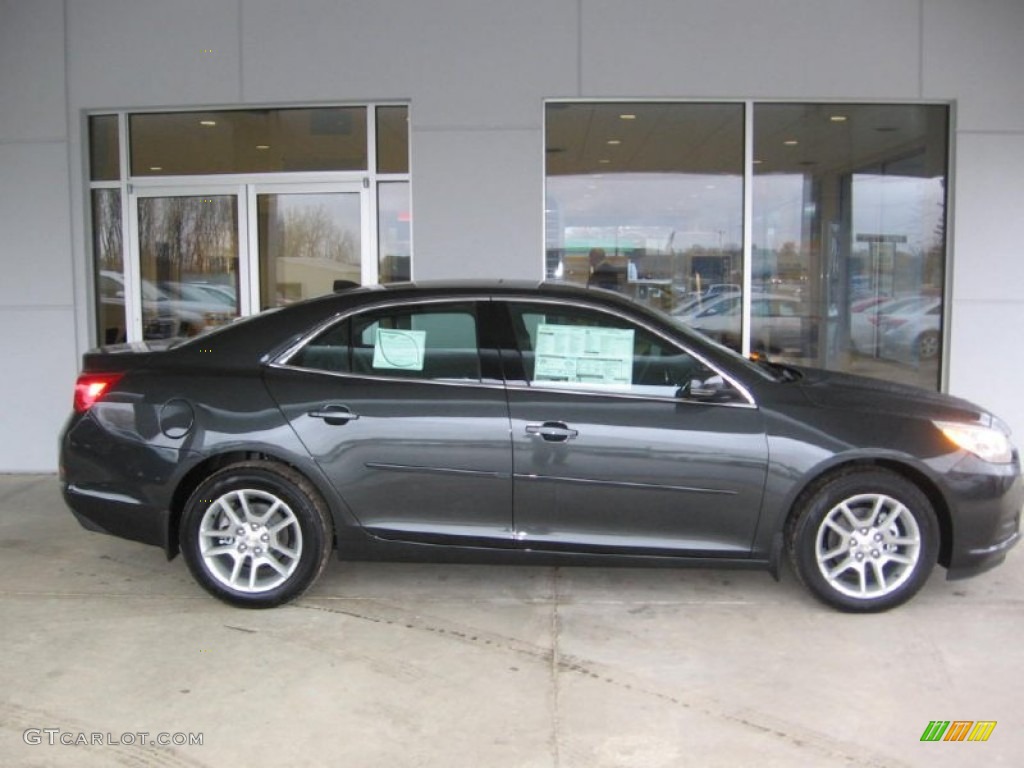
{"x":398,"y":410}
{"x":624,"y":441}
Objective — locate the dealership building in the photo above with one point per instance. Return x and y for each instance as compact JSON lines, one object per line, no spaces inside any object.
{"x":831,"y":182}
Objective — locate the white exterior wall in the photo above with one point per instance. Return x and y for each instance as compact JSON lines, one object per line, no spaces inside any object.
{"x":476,"y":74}
{"x":38,"y":288}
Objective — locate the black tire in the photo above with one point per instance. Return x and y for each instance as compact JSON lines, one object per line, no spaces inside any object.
{"x":875,"y":565}
{"x":256,"y":534}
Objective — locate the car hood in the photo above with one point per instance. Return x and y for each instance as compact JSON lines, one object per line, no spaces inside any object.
{"x":859,"y":393}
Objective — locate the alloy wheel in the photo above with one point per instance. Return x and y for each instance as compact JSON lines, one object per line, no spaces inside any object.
{"x":250,"y":540}
{"x":868,"y":545}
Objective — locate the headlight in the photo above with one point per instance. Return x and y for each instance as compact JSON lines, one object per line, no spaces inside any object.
{"x":984,"y":442}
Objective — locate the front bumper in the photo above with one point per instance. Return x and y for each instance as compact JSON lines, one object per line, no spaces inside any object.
{"x":986,"y":522}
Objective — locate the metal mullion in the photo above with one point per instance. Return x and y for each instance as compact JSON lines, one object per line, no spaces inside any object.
{"x":748,"y":224}
{"x":251,"y":289}
{"x":246,"y":268}
{"x":132,"y":270}
{"x":130,"y":267}
{"x":323,"y":187}
{"x":369,"y":257}
{"x":229,"y":179}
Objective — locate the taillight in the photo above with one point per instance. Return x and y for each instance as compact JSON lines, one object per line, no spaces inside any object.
{"x":90,"y":387}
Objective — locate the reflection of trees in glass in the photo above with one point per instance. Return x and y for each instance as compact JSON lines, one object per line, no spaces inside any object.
{"x":196,"y":235}
{"x":109,"y":244}
{"x":310,"y":232}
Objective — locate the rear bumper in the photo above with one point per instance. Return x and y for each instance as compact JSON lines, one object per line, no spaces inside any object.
{"x":117,"y":485}
{"x":116,"y":514}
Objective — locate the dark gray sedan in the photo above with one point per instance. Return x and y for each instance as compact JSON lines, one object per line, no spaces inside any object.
{"x":524,"y":423}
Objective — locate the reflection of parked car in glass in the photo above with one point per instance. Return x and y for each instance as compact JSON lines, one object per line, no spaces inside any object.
{"x":696,"y":302}
{"x":201,"y":293}
{"x":911,"y":334}
{"x":868,"y":318}
{"x":110,"y":285}
{"x":716,"y":318}
{"x":219,"y":292}
{"x":720,"y":289}
{"x":167,"y":312}
{"x":778,"y":323}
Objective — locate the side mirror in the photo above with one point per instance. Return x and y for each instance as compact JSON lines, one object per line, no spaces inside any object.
{"x":697,"y":390}
{"x":701,"y":391}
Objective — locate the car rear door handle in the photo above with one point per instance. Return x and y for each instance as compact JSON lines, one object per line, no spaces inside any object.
{"x":553,"y":431}
{"x":335,"y":415}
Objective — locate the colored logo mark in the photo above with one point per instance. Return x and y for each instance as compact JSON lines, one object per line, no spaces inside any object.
{"x":958,"y":730}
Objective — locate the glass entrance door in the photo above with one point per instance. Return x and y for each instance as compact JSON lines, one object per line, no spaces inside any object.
{"x":186,"y":278}
{"x":308,"y":238}
{"x":202,"y":256}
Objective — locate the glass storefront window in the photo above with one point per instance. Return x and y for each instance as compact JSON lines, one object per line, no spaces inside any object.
{"x":104,"y":153}
{"x":307,"y":241}
{"x":646,"y":199}
{"x":108,"y":262}
{"x":188,"y":255}
{"x":248,"y":141}
{"x":847,"y":243}
{"x":849,"y":236}
{"x":393,"y":234}
{"x":392,"y":139}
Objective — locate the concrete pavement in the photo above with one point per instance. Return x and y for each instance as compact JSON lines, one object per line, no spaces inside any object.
{"x":399,"y":665}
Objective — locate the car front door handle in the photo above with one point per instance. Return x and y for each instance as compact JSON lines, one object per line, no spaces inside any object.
{"x":335,"y":415}
{"x":553,"y":431}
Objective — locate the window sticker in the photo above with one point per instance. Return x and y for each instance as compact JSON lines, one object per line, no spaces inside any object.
{"x":399,"y":350}
{"x":581,"y":355}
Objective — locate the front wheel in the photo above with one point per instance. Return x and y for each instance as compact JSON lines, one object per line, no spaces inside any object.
{"x":256,"y":534}
{"x":864,"y":541}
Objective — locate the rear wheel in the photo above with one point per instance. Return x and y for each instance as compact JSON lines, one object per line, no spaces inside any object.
{"x":864,"y":541}
{"x":256,"y":534}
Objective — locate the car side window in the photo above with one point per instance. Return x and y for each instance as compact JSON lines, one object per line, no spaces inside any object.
{"x":330,"y":351}
{"x":580,"y":349}
{"x":437,"y":342}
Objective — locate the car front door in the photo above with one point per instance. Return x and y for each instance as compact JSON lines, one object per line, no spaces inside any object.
{"x":393,"y":405}
{"x":623,"y":441}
